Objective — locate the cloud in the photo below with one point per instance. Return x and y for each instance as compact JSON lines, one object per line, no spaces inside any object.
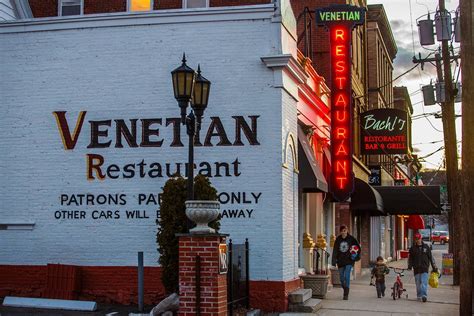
{"x":402,"y":33}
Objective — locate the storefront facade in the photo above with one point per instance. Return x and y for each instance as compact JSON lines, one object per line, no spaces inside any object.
{"x":91,"y":134}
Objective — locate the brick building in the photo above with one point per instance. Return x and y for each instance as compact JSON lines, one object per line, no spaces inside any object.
{"x":85,"y":197}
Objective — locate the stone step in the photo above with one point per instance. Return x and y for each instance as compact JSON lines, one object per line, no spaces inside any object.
{"x":300,"y":296}
{"x":310,"y":306}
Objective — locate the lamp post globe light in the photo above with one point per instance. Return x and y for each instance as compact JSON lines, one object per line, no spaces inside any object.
{"x":193,"y":88}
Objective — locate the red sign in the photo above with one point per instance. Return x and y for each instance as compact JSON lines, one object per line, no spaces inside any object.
{"x":340,"y":20}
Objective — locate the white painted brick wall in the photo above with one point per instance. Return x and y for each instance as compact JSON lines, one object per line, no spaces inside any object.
{"x":290,"y":191}
{"x":123,"y":72}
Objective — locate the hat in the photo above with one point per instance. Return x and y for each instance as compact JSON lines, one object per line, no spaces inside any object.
{"x":417,"y":236}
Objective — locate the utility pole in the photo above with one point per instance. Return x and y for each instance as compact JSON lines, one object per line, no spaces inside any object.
{"x":450,"y":147}
{"x":466,"y":306}
{"x":443,"y":62}
{"x":451,"y":152}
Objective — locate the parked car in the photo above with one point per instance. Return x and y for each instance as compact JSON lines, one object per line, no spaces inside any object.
{"x":440,"y":237}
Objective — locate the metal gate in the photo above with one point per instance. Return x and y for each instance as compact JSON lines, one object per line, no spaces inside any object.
{"x":238,"y":276}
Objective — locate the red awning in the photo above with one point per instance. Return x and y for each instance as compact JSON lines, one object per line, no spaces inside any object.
{"x":415,"y":222}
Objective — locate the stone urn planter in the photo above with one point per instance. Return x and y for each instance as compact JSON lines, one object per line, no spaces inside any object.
{"x":318,"y":283}
{"x":202,"y":213}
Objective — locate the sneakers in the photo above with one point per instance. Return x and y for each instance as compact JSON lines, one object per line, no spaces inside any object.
{"x":423,"y":299}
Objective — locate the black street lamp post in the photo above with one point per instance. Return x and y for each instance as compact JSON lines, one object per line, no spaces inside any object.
{"x":190,"y":87}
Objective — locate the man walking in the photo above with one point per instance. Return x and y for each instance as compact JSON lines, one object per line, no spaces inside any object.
{"x":346,"y":251}
{"x":420,"y":259}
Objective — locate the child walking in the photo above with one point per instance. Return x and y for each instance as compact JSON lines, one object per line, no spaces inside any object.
{"x":379,"y":272}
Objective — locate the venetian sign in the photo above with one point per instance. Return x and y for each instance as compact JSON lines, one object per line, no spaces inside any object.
{"x":384,"y":131}
{"x":340,"y":20}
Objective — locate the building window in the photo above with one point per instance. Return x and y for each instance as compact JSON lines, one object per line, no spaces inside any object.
{"x":188,"y":4}
{"x":139,"y":5}
{"x":71,"y":7}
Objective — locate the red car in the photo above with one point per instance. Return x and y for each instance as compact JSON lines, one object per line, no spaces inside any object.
{"x":440,"y":237}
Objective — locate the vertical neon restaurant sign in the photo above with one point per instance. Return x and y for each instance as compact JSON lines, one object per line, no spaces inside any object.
{"x":340,"y":20}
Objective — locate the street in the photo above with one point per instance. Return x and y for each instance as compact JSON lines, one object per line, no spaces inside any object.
{"x":363,"y":299}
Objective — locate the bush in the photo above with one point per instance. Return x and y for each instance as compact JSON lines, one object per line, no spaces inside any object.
{"x":173,"y":221}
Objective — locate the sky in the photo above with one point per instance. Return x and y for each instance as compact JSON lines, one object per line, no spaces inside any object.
{"x":427,"y":132}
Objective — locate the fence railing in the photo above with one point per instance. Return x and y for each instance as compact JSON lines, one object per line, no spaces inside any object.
{"x":238,"y":288}
{"x":320,"y":261}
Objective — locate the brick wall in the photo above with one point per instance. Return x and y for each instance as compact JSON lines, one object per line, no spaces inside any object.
{"x":227,"y":3}
{"x":320,"y":36}
{"x":272,"y":296}
{"x":343,"y":217}
{"x":44,"y":8}
{"x":123,"y":72}
{"x":101,"y":284}
{"x":213,"y":286}
{"x":49,"y":8}
{"x":104,"y":6}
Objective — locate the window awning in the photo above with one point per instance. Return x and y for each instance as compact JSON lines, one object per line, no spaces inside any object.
{"x":311,"y":177}
{"x":411,"y":200}
{"x":366,"y":200}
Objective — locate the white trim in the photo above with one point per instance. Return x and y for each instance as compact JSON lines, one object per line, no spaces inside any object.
{"x":23,"y":9}
{"x":184,"y":5}
{"x":288,"y":62}
{"x":49,"y":303}
{"x":60,"y":7}
{"x":151,"y":6}
{"x":240,"y":13}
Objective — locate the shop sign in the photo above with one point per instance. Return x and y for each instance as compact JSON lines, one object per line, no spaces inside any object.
{"x":375,"y":177}
{"x":340,"y":20}
{"x":384,"y":132}
{"x":223,"y":262}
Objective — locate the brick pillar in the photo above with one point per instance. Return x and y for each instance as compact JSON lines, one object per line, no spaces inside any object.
{"x":213,"y":289}
{"x":343,"y":217}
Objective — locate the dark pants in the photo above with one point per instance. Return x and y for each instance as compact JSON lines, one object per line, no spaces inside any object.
{"x":380,"y":286}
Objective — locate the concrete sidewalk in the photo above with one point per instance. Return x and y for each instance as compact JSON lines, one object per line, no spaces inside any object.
{"x":363,"y":300}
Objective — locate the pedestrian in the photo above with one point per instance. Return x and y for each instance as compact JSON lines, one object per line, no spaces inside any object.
{"x":345,"y":252}
{"x":379,"y":272}
{"x":419,"y":260}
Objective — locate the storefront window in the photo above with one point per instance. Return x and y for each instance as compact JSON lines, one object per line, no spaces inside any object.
{"x":195,"y":3}
{"x":140,"y":5}
{"x":70,"y":7}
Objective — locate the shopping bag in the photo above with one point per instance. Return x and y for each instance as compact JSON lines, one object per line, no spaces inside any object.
{"x":433,"y":281}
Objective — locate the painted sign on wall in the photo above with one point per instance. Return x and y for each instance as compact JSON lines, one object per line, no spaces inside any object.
{"x":340,"y":20}
{"x":384,"y":131}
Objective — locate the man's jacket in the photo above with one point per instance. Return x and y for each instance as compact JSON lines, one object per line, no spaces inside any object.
{"x":420,"y":259}
{"x":341,"y":253}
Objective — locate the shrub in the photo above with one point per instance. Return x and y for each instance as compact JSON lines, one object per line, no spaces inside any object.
{"x":173,"y":221}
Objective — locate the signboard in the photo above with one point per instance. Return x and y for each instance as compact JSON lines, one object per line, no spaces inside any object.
{"x":223,"y":262}
{"x":375,"y":177}
{"x":384,"y":131}
{"x":340,"y":20}
{"x":447,"y":264}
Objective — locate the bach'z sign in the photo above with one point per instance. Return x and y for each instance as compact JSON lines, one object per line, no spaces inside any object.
{"x":340,"y":20}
